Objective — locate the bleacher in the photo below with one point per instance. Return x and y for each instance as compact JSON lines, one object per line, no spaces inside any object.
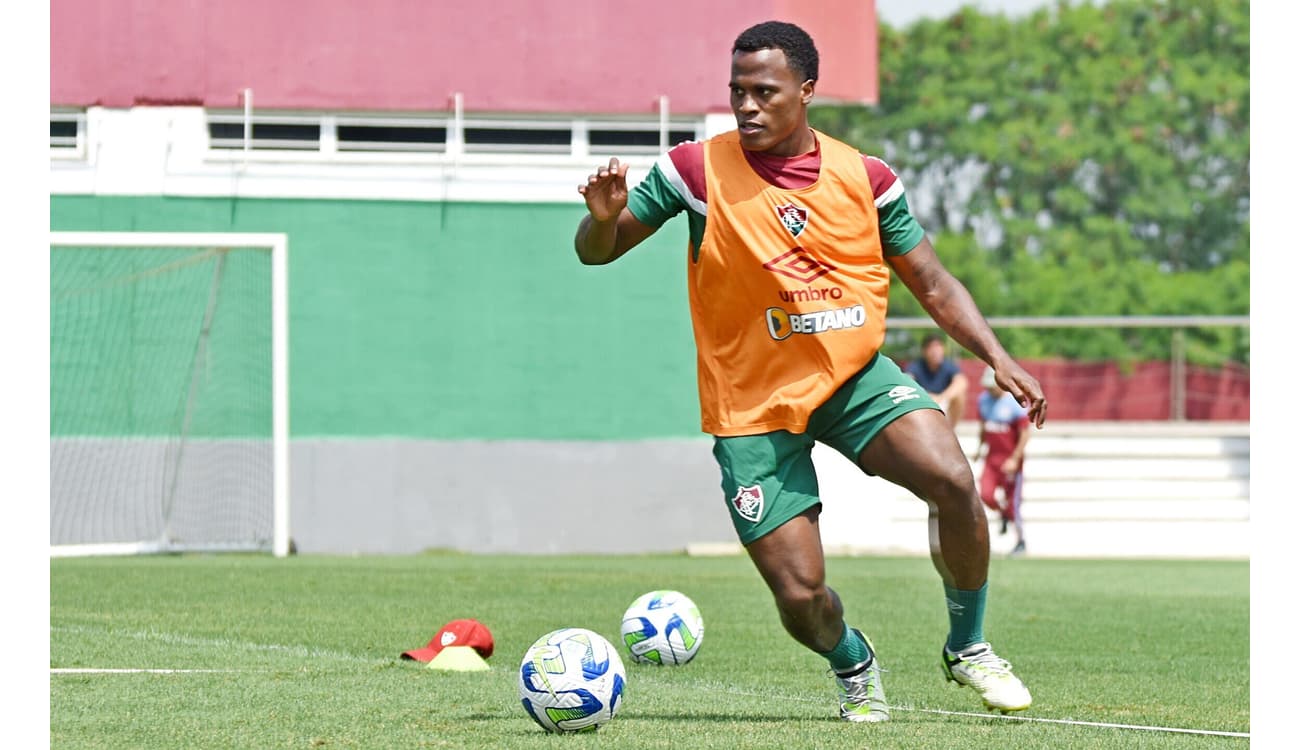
{"x":1092,"y":489}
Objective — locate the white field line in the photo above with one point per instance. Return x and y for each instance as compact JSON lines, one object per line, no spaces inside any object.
{"x":316,"y":653}
{"x":1072,"y":722}
{"x":71,"y":670}
{"x":723,"y":688}
{"x":178,"y":639}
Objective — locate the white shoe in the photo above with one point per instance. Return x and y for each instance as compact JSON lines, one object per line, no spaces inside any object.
{"x":862,"y":696}
{"x":980,"y":668}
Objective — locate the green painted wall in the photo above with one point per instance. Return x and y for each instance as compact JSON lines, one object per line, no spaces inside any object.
{"x":456,"y":320}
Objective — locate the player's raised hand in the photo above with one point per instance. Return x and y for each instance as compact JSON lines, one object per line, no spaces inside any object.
{"x":1025,"y":389}
{"x":606,"y":191}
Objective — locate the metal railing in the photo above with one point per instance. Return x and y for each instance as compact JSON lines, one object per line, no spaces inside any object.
{"x":1177,"y":325}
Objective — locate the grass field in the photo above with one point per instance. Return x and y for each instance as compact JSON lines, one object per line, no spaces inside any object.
{"x":307,"y":652}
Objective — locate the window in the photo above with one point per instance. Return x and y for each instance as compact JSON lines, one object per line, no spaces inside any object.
{"x":391,"y":135}
{"x":638,"y":141}
{"x":359,"y":137}
{"x":291,"y":133}
{"x":68,"y":134}
{"x":518,"y":136}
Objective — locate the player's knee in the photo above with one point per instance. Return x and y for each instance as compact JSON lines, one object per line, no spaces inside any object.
{"x":801,"y":596}
{"x":952,"y":482}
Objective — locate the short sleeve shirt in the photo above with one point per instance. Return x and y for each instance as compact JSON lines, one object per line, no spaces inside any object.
{"x":676,"y":184}
{"x":936,"y":381}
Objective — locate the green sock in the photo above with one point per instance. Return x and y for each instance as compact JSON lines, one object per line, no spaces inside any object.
{"x":850,"y":652}
{"x":965,"y":616}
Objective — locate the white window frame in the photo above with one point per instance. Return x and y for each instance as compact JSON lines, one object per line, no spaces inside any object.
{"x":453,"y":149}
{"x":76,"y":150}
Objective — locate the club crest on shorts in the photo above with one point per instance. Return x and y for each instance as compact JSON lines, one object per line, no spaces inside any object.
{"x":748,"y":503}
{"x":793,"y":217}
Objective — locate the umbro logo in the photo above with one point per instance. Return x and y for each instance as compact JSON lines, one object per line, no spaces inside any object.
{"x":798,"y":265}
{"x":901,"y":393}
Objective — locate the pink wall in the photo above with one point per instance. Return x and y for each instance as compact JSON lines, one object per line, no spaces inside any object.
{"x":508,"y":55}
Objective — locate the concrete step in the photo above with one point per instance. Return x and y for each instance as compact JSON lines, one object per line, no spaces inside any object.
{"x":1041,"y":468}
{"x":1128,"y":539}
{"x":1091,"y":489}
{"x":1143,"y":509}
{"x":1140,"y":490}
{"x":1127,"y":509}
{"x":1096,"y":446}
{"x":1133,"y":508}
{"x":1134,"y":429}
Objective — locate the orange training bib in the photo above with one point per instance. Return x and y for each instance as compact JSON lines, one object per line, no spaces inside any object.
{"x":789,"y":293}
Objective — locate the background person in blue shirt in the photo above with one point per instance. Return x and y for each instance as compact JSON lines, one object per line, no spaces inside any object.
{"x":940,"y":376}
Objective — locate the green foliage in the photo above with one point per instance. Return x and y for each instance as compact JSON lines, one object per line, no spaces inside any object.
{"x":1081,"y":160}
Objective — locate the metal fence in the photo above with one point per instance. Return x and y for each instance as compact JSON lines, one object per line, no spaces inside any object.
{"x":1130,"y":368}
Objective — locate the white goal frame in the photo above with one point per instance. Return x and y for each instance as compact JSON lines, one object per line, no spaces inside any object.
{"x":278,"y":244}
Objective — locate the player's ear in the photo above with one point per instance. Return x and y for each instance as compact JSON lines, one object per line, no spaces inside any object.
{"x":806,"y":91}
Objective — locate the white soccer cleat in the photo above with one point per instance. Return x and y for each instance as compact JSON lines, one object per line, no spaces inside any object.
{"x":862,"y":696}
{"x":980,"y":668}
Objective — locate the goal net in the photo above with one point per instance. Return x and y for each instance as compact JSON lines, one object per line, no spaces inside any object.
{"x":168,"y":393}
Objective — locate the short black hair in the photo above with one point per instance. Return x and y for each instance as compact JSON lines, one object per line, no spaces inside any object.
{"x":932,"y":337}
{"x":800,"y":52}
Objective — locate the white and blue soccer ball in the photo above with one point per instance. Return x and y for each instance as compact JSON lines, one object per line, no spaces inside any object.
{"x":663,"y":627}
{"x":571,"y":680}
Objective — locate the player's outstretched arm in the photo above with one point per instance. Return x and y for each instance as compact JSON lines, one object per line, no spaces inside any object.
{"x":949,"y":303}
{"x":609,"y":229}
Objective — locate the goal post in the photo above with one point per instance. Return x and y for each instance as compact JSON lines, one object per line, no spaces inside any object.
{"x":169,"y":392}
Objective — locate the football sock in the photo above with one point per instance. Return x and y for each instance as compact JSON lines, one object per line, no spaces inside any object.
{"x":850,"y":654}
{"x":965,"y":616}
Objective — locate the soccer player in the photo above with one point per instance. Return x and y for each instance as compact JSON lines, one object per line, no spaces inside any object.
{"x":792,"y":238}
{"x":1004,"y":430}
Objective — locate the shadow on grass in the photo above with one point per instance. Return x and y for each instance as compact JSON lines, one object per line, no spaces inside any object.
{"x":732,"y":718}
{"x":652,"y":716}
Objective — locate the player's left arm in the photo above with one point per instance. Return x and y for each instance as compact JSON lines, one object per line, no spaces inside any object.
{"x":950,"y":304}
{"x":945,"y":298}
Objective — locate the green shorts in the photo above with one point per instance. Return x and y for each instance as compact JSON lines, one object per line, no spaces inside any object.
{"x":768,"y":479}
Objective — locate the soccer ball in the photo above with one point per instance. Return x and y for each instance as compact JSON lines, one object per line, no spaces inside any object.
{"x":663,"y":627}
{"x":571,"y":680}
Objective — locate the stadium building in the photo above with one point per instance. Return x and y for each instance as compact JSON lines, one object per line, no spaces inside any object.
{"x":455,"y":377}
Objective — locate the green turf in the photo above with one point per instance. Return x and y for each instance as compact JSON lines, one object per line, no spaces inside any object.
{"x":312,"y":645}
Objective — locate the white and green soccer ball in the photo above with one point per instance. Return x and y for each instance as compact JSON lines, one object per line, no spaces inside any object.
{"x":663,"y":627}
{"x":571,"y":680}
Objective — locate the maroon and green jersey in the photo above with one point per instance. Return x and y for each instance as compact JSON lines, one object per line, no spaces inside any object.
{"x":1002,"y":421}
{"x":676,"y":183}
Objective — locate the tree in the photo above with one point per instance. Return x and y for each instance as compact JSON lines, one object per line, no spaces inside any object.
{"x":1082,"y":160}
